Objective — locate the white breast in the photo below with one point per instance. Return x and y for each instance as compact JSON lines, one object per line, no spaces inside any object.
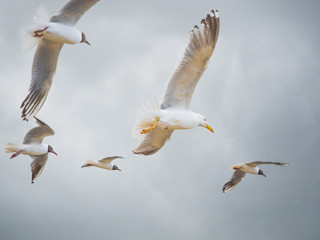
{"x":35,"y":149}
{"x":104,"y":165}
{"x":248,"y":169}
{"x":177,"y":119}
{"x":62,"y":33}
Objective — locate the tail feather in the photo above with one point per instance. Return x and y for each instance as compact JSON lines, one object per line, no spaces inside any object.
{"x":40,"y":19}
{"x":28,"y":41}
{"x":145,"y":118}
{"x":11,"y":147}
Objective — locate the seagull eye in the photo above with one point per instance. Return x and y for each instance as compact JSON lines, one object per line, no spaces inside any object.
{"x":205,"y":119}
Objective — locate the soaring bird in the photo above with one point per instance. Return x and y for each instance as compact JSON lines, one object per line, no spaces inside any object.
{"x":103,"y":163}
{"x":242,"y":168}
{"x":50,"y":36}
{"x":33,"y":146}
{"x":159,"y":122}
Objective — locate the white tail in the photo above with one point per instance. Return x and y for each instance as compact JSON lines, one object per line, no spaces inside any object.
{"x":40,"y":19}
{"x":145,"y":118}
{"x":11,"y":147}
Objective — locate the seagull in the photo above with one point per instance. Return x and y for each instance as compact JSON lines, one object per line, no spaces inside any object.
{"x":52,"y":34}
{"x":33,"y":146}
{"x":103,"y":163}
{"x":156,"y":123}
{"x":242,"y":168}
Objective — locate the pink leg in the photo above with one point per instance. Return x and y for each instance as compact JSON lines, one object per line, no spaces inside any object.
{"x":16,"y":154}
{"x":38,"y":33}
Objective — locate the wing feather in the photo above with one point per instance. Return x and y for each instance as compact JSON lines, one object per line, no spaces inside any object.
{"x":37,"y":165}
{"x":254,"y":164}
{"x":234,"y":181}
{"x":36,"y":135}
{"x":153,"y":141}
{"x":196,"y":58}
{"x":73,"y":11}
{"x":109,"y":159}
{"x":43,"y":68}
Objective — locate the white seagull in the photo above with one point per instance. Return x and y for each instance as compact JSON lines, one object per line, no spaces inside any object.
{"x":33,"y":146}
{"x":158,"y":122}
{"x":103,"y":163}
{"x":242,"y":168}
{"x":51,"y":35}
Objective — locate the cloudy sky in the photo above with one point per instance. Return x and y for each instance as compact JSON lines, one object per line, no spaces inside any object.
{"x":260,"y":93}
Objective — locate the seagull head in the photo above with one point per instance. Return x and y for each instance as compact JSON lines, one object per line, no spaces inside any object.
{"x":83,"y":39}
{"x":50,"y":149}
{"x":204,"y":123}
{"x":115,"y":167}
{"x":261,"y":173}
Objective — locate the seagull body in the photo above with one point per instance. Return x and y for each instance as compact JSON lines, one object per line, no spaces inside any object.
{"x":103,"y":163}
{"x":33,"y":146}
{"x":242,"y":168}
{"x":158,"y":122}
{"x":178,"y":119}
{"x":62,"y":33}
{"x":33,"y":149}
{"x":51,"y":34}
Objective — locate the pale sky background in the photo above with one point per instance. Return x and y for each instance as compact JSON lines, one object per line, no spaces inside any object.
{"x":260,"y":93}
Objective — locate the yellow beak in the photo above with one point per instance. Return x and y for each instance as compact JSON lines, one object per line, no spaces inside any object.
{"x":210,"y":128}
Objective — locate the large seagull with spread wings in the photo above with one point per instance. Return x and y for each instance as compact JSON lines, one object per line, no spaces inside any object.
{"x":156,"y":123}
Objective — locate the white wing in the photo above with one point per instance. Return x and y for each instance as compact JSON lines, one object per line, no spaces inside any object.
{"x":234,"y":181}
{"x":153,"y":141}
{"x":254,"y":164}
{"x":196,"y":58}
{"x":43,"y":68}
{"x":109,"y":159}
{"x":73,"y":11}
{"x":36,"y":135}
{"x":37,"y":165}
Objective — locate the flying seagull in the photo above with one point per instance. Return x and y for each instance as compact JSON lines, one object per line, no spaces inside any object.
{"x":242,"y":168}
{"x":33,"y":146}
{"x":156,"y":123}
{"x":103,"y":163}
{"x":51,"y":35}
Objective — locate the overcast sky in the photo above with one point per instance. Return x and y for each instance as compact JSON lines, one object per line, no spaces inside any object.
{"x":260,"y":93}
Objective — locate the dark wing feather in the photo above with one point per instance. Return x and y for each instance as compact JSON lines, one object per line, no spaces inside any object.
{"x":43,"y":68}
{"x":234,"y":181}
{"x":37,"y":165}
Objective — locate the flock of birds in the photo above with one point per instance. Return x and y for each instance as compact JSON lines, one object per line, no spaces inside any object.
{"x":156,"y":122}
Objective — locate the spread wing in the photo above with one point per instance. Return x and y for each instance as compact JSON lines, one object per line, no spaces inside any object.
{"x":109,"y":159}
{"x":37,"y":165}
{"x":43,"y":68}
{"x":153,"y":141}
{"x":234,"y":181}
{"x":196,"y":58}
{"x":254,"y":164}
{"x":36,"y":135}
{"x":73,"y":11}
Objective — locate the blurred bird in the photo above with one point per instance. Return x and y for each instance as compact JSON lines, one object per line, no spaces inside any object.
{"x":242,"y":168}
{"x":103,"y":163}
{"x":159,"y":122}
{"x":50,"y":35}
{"x":33,"y":146}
